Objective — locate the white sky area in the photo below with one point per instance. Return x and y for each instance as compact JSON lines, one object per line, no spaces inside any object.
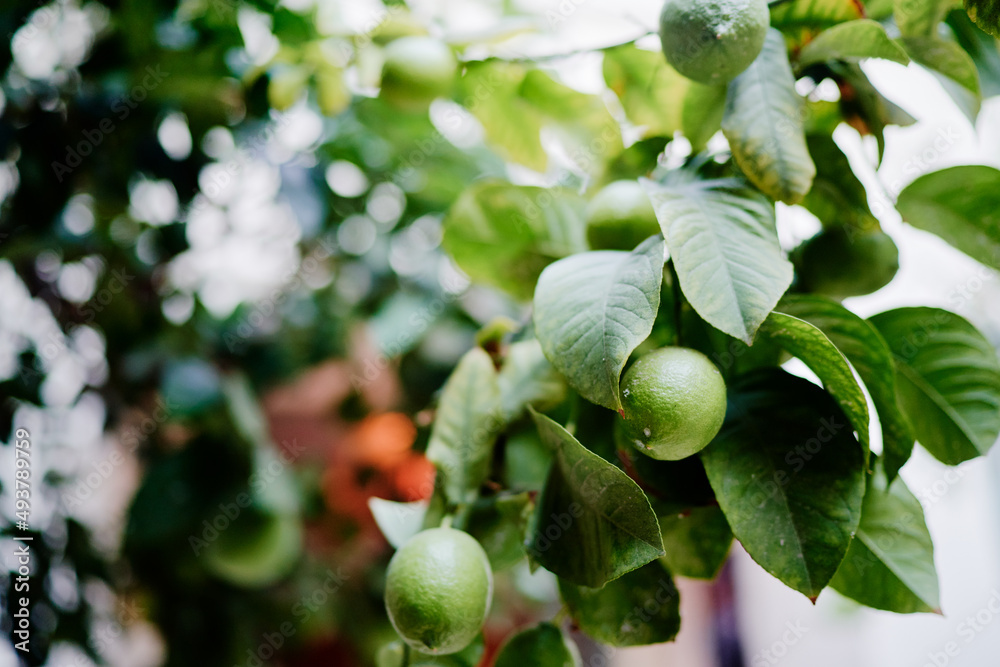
{"x":244,"y":244}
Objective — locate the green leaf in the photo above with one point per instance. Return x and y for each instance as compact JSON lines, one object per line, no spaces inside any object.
{"x":504,"y":235}
{"x":865,"y":108}
{"x":985,"y":14}
{"x":701,"y":113}
{"x":469,"y":417}
{"x":593,"y":524}
{"x":983,"y":49}
{"x":920,"y":18}
{"x":513,"y":126}
{"x":526,"y":460}
{"x":814,"y":13}
{"x":398,"y":521}
{"x":948,"y":378}
{"x":544,"y":645}
{"x":763,"y":122}
{"x":789,"y":476}
{"x":952,"y":66}
{"x":812,"y":347}
{"x":890,"y":564}
{"x":637,"y":609}
{"x":527,"y":378}
{"x":470,"y":656}
{"x":961,"y":205}
{"x":647,"y":87}
{"x":724,"y":247}
{"x":696,"y":540}
{"x":868,"y":352}
{"x":499,"y":523}
{"x":852,"y":41}
{"x":837,"y":197}
{"x":593,"y":309}
{"x":514,"y":102}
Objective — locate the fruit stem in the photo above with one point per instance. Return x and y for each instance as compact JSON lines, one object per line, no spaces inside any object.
{"x":447,"y":521}
{"x":675,"y":285}
{"x":775,"y":3}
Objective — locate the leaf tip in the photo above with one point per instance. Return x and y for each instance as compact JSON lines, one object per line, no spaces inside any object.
{"x":813,"y":598}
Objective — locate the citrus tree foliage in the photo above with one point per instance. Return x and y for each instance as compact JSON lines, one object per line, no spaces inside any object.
{"x":471,"y":163}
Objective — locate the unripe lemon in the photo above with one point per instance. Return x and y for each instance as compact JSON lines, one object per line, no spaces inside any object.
{"x":840,"y":264}
{"x":620,"y":217}
{"x":712,"y":41}
{"x":438,"y":590}
{"x":674,"y":400}
{"x":417,"y":70}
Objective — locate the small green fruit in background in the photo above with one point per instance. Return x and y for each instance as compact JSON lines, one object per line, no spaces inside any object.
{"x":674,"y":400}
{"x":416,"y":71}
{"x":257,"y":549}
{"x":620,"y":217}
{"x":712,"y":41}
{"x":841,"y":264}
{"x":438,"y":590}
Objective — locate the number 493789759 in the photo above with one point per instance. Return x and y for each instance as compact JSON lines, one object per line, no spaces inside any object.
{"x":22,"y":477}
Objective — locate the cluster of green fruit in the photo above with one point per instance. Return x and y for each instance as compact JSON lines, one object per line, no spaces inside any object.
{"x":439,"y":584}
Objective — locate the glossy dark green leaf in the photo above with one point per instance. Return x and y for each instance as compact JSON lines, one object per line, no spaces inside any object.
{"x":852,"y":41}
{"x":637,"y":609}
{"x":592,"y":524}
{"x":544,"y":645}
{"x":763,"y":122}
{"x":890,"y":564}
{"x":696,"y":540}
{"x":985,"y":14}
{"x":724,"y":247}
{"x":948,"y":379}
{"x":961,"y":205}
{"x":504,"y":235}
{"x":789,"y":476}
{"x":593,"y":309}
{"x":527,"y":378}
{"x":868,"y":352}
{"x":803,"y":340}
{"x":468,"y":420}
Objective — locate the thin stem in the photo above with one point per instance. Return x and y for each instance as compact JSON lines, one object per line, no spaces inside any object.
{"x":774,"y":3}
{"x":675,"y":286}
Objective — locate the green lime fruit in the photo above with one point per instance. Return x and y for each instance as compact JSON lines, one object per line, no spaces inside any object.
{"x":620,"y":217}
{"x":840,"y":263}
{"x":438,"y":590}
{"x":712,"y":41}
{"x":417,"y":70}
{"x":256,"y":549}
{"x":674,"y":402}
